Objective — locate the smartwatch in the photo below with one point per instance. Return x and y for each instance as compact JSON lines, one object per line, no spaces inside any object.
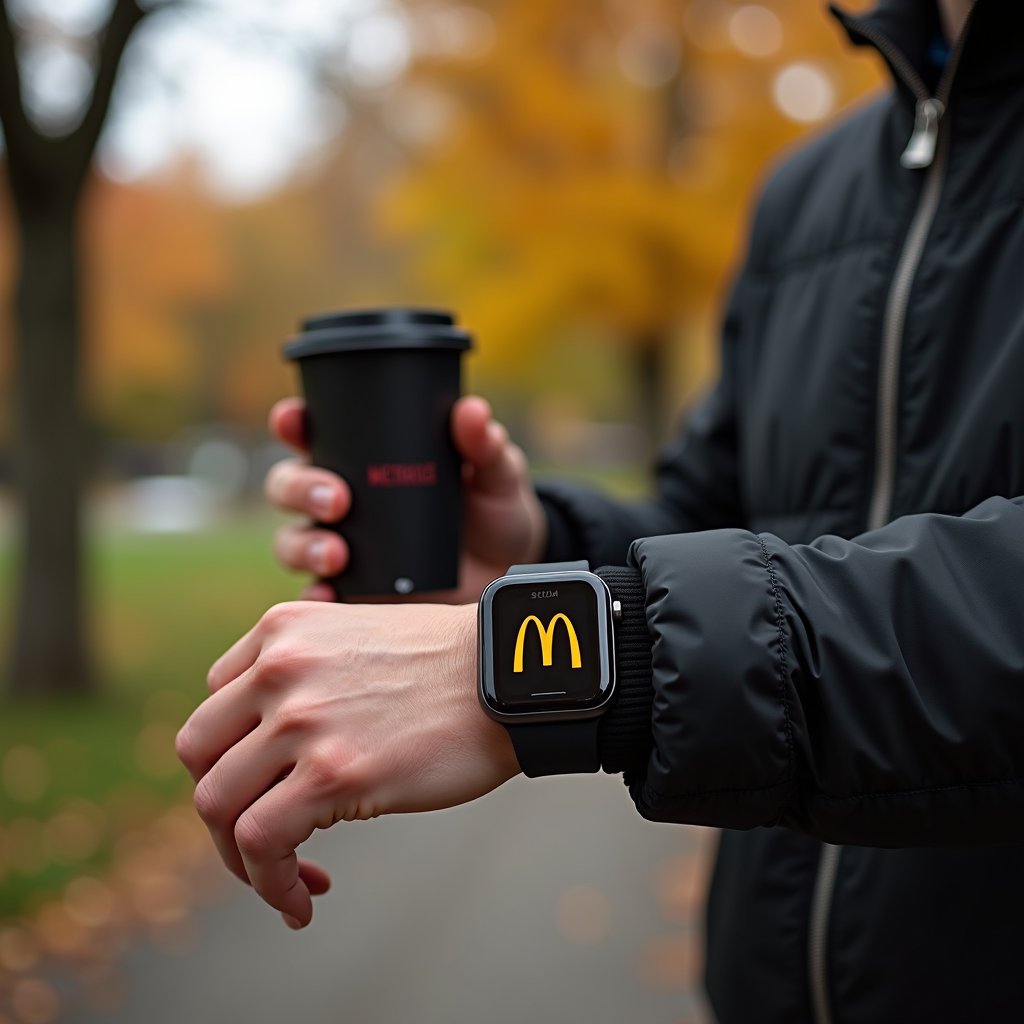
{"x":547,"y":663}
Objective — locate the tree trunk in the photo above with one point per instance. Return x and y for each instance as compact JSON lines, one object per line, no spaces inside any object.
{"x":49,"y":643}
{"x":46,"y":175}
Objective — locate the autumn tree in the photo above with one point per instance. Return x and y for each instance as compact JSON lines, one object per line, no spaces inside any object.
{"x":594,"y":165}
{"x":46,"y":174}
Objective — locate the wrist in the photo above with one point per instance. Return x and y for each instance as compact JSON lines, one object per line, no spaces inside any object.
{"x":488,"y":740}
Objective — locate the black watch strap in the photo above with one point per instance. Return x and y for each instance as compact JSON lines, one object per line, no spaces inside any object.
{"x":556,"y":747}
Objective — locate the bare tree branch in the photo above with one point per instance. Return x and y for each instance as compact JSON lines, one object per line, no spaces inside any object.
{"x":42,"y":168}
{"x":82,"y":141}
{"x":12,"y":111}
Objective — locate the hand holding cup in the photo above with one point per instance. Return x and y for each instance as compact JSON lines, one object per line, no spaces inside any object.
{"x":503,"y":519}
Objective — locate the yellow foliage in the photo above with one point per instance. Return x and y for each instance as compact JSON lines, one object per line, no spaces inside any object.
{"x":557,"y":193}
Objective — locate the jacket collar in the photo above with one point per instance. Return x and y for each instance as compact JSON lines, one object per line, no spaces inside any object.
{"x":993,"y":51}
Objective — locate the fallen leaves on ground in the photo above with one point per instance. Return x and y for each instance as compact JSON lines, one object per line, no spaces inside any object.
{"x":66,"y":953}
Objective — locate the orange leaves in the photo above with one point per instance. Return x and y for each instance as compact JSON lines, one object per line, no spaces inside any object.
{"x":154,"y":254}
{"x":574,"y":183}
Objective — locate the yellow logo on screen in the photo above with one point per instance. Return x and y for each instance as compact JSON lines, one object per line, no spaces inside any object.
{"x":547,"y":640}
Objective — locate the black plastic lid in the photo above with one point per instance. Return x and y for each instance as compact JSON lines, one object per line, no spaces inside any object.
{"x":392,"y":327}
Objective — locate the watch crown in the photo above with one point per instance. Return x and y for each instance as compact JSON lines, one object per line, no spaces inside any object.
{"x":617,"y":610}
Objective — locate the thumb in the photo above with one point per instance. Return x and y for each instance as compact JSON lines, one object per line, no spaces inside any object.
{"x":496,"y":465}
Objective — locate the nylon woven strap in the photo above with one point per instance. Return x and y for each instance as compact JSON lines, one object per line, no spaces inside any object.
{"x":556,"y":748}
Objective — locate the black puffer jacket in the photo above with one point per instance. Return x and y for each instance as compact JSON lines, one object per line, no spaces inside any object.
{"x":854,"y":682}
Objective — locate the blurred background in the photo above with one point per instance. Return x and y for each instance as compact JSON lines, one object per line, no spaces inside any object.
{"x":182,"y":181}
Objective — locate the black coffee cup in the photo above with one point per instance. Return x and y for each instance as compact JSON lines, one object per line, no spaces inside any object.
{"x":380,"y":385}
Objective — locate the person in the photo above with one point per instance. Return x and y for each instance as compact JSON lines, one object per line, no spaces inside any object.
{"x":828,"y":584}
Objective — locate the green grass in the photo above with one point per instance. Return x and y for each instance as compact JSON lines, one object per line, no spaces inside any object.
{"x":76,"y":774}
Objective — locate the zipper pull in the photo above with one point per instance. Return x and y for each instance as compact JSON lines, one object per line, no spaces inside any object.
{"x":920,"y":151}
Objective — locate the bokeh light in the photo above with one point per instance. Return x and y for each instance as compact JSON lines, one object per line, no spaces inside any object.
{"x":804,"y":93}
{"x":379,"y":49}
{"x":89,"y":901}
{"x":19,"y":950}
{"x":583,"y":915}
{"x":649,"y":55}
{"x":60,"y":934}
{"x":34,"y":1001}
{"x":57,"y":80}
{"x":706,"y":24}
{"x":755,"y":31}
{"x":460,"y":31}
{"x":670,"y":961}
{"x":71,"y":837}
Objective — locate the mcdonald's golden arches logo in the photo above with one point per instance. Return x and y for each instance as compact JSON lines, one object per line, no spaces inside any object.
{"x":547,"y":640}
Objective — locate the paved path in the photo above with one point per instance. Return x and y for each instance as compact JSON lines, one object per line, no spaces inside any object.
{"x":457,"y":917}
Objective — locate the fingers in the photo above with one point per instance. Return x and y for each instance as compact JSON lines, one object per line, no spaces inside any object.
{"x":296,"y":487}
{"x":496,"y":466}
{"x":317,"y":880}
{"x":288,"y":423}
{"x":267,"y":835}
{"x":213,"y":728}
{"x":321,"y":552}
{"x":242,"y":654}
{"x":239,"y":657}
{"x":237,"y":780}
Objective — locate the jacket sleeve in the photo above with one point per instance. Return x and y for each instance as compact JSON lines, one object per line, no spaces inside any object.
{"x":868,"y":691}
{"x":697,"y":480}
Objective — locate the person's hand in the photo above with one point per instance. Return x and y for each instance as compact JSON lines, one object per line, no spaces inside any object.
{"x":504,"y":521}
{"x":326,"y":713}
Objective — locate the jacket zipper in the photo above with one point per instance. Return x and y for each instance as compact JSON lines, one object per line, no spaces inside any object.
{"x":928,"y":150}
{"x":817,"y":946}
{"x":892,"y":332}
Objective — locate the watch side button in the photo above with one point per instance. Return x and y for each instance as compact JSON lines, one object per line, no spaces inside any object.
{"x":617,"y":610}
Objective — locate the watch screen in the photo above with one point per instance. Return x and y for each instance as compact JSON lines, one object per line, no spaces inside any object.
{"x":546,"y":647}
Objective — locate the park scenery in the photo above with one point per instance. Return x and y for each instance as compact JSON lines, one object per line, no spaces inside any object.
{"x":179,"y":184}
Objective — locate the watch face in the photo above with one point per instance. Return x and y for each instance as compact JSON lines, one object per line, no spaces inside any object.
{"x":546,"y":645}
